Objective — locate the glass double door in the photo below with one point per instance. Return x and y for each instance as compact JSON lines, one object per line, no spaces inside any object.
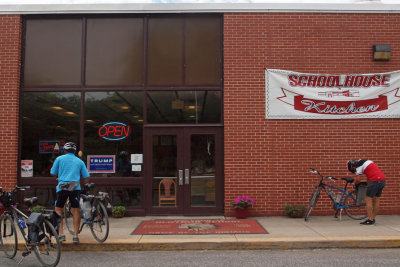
{"x":185,"y":174}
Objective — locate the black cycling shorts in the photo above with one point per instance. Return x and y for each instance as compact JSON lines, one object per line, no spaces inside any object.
{"x":63,"y":195}
{"x":374,"y":189}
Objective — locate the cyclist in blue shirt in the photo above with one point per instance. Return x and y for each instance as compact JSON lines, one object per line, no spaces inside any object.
{"x":69,"y":169}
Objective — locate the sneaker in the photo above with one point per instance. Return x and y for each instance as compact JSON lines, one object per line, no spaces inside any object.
{"x":61,"y":238}
{"x":75,"y":239}
{"x":368,"y":222}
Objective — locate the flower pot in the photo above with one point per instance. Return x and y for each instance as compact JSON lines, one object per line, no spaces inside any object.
{"x":296,"y":214}
{"x":118,"y":215}
{"x":242,"y":213}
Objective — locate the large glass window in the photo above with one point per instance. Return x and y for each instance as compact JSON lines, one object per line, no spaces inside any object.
{"x":48,"y":121}
{"x":184,"y":107}
{"x":114,"y":53}
{"x":53,"y":52}
{"x":114,"y":127}
{"x":165,"y":51}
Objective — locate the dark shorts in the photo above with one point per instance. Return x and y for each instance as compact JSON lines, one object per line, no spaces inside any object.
{"x":63,"y":195}
{"x":374,"y":189}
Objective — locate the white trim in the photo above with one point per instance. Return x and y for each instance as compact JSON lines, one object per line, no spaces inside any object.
{"x":197,"y":8}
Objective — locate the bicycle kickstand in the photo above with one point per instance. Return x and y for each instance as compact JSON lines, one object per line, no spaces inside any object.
{"x":340,"y":214}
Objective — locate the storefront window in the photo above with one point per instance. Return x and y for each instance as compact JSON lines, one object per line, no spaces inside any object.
{"x":114,"y":128}
{"x":48,"y":121}
{"x":184,"y":107}
{"x":53,"y":52}
{"x":114,"y":53}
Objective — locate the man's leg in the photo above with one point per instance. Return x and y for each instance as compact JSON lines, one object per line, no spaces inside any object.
{"x":368,"y":202}
{"x":375,"y":209}
{"x":77,"y":219}
{"x":60,"y":212}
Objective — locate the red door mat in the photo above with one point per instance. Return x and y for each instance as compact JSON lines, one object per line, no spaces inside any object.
{"x":198,"y":227}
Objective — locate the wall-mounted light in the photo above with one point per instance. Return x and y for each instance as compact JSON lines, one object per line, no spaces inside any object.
{"x":381,"y":52}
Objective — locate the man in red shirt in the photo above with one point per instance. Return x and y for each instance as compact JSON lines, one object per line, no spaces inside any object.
{"x":376,"y":183}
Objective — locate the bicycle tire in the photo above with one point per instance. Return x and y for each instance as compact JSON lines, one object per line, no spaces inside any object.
{"x":354,"y":211}
{"x":48,"y":250}
{"x":100,"y":225}
{"x":68,"y":218}
{"x":8,"y":236}
{"x":313,"y":201}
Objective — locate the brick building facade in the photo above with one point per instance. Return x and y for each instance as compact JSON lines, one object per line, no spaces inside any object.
{"x":268,"y":160}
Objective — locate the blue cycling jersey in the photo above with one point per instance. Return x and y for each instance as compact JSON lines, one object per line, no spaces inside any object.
{"x":69,"y":168}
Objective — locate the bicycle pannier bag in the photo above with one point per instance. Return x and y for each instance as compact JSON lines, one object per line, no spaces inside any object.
{"x":55,"y":220}
{"x":35,"y":227}
{"x":86,"y":206}
{"x":361,"y":193}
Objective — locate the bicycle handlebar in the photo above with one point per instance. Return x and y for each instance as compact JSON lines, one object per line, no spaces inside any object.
{"x":15,"y":188}
{"x":322,"y":176}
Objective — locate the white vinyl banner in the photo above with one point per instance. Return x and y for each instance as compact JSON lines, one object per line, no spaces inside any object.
{"x":293,"y":95}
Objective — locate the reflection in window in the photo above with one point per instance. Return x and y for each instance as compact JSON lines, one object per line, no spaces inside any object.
{"x":184,"y":107}
{"x":48,"y":120}
{"x":122,"y":107}
{"x":122,"y":196}
{"x":53,"y":50}
{"x":114,"y":51}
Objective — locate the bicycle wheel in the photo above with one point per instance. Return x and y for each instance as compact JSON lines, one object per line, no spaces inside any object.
{"x":48,"y":250}
{"x":68,"y":218}
{"x":313,"y":201}
{"x":99,"y":226}
{"x":8,"y":236}
{"x":354,"y":211}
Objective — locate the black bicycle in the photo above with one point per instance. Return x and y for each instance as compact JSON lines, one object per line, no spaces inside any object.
{"x":93,"y":211}
{"x":353,"y":202}
{"x":46,"y":245}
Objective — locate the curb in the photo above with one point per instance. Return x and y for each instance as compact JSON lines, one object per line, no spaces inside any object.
{"x":265,"y":245}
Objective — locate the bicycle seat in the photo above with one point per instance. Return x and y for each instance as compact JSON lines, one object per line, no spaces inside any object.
{"x":348,"y":179}
{"x":89,"y":185}
{"x":30,"y":201}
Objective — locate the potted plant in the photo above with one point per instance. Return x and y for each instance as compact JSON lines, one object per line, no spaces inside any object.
{"x":38,"y":208}
{"x":295,"y":211}
{"x":119,"y":211}
{"x":241,"y":205}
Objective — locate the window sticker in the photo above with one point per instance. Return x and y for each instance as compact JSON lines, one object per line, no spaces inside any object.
{"x":101,"y":164}
{"x":27,"y":168}
{"x":51,"y":147}
{"x":137,"y":158}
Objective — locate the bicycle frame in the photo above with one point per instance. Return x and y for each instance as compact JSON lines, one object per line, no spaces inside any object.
{"x":342,"y":196}
{"x":13,"y":212}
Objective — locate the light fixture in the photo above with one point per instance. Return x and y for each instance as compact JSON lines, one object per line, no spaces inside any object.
{"x":381,"y":52}
{"x":57,"y":108}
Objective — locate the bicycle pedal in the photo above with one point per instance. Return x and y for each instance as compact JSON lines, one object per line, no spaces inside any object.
{"x":26,"y":253}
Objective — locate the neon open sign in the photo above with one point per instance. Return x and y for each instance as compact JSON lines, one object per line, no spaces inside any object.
{"x":114,"y":131}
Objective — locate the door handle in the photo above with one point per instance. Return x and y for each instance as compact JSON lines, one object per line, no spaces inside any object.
{"x":180,"y":177}
{"x":186,"y":176}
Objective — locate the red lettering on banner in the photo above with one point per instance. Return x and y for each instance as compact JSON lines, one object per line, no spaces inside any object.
{"x":340,"y":107}
{"x":364,"y":81}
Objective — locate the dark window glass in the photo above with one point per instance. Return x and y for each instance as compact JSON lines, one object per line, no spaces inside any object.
{"x":110,"y":107}
{"x":48,"y":120}
{"x":53,"y":51}
{"x":184,"y":107}
{"x":165,"y":51}
{"x":123,"y":195}
{"x":114,"y":51}
{"x":203,"y":51}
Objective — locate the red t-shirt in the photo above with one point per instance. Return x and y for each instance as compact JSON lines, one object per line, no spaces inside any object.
{"x":371,"y":170}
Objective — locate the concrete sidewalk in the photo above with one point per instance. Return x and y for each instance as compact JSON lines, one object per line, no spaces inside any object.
{"x":284,"y":233}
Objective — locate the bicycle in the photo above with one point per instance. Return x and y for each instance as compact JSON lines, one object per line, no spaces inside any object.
{"x":347,"y":201}
{"x":97,"y":220}
{"x":47,"y":248}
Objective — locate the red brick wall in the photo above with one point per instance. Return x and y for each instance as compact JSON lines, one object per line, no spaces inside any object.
{"x":270,"y":159}
{"x":10,"y":47}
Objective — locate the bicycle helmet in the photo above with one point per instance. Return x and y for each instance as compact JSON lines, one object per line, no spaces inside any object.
{"x":351,"y":165}
{"x":123,"y":153}
{"x":70,"y":147}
